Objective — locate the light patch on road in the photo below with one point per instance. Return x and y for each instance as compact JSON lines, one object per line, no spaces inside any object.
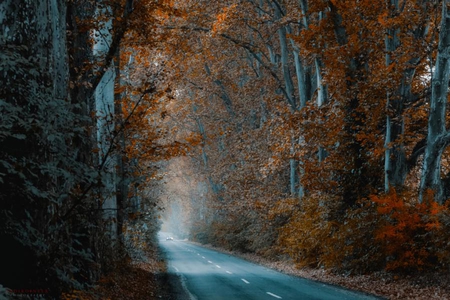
{"x":210,"y":261}
{"x":229,"y":272}
{"x":218,"y":266}
{"x":273,"y":295}
{"x":176,"y":269}
{"x":203,"y":257}
{"x":245,"y":281}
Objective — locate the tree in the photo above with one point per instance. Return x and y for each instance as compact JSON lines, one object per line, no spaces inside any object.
{"x":58,"y":147}
{"x":353,"y":126}
{"x":437,"y":138}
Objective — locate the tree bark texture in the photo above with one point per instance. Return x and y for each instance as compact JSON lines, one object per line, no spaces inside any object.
{"x":437,"y":138}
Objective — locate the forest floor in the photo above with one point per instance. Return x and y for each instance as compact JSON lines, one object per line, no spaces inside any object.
{"x":142,"y":278}
{"x":418,"y":286}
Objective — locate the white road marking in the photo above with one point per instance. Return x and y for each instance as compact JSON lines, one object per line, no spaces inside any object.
{"x":203,"y":257}
{"x":229,"y":272}
{"x":198,"y":254}
{"x":210,"y":261}
{"x":245,"y":281}
{"x":176,"y":269}
{"x":218,"y":266}
{"x":273,"y":295}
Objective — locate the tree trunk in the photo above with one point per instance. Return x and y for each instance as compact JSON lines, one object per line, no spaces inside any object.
{"x":121,"y":159}
{"x":437,"y":138}
{"x":285,"y":63}
{"x":391,"y":43}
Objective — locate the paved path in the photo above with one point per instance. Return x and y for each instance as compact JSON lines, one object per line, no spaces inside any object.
{"x":210,"y":275}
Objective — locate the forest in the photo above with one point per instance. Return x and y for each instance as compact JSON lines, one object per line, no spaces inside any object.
{"x":309,"y":131}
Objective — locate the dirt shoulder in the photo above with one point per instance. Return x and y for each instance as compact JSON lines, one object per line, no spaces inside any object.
{"x":144,"y":278}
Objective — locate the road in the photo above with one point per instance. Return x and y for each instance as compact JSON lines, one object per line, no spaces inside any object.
{"x":210,"y":275}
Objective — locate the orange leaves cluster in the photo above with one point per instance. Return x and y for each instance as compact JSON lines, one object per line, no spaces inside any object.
{"x":389,"y":231}
{"x":312,"y":238}
{"x":409,"y":232}
{"x":221,"y":22}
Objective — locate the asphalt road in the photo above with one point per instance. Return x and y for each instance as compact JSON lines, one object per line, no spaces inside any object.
{"x":210,"y":275}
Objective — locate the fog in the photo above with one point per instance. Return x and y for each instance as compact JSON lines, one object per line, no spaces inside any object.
{"x":183,"y":199}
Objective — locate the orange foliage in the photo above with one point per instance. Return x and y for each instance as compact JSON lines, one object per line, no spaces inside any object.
{"x":230,"y":78}
{"x":312,"y":238}
{"x":408,"y":230}
{"x":221,"y":22}
{"x":391,"y":231}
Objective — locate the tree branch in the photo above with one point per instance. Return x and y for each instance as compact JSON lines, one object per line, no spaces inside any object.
{"x":80,"y":198}
{"x":119,"y":33}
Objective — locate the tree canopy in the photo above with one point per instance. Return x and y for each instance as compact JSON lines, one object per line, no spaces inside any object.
{"x":312,"y":129}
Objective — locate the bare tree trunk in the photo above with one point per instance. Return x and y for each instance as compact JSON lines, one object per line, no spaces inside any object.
{"x":391,"y":43}
{"x":285,"y":61}
{"x":437,"y":138}
{"x":395,"y":155}
{"x":289,"y":87}
{"x":121,"y":159}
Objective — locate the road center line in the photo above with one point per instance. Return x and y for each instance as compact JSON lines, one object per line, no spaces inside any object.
{"x":210,"y":261}
{"x":228,"y":272}
{"x":245,"y":281}
{"x":176,"y":269}
{"x":203,"y":257}
{"x":273,"y":295}
{"x":218,"y":266}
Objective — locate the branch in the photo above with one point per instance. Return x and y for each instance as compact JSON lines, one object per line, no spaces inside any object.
{"x":418,"y":150}
{"x":248,"y":47}
{"x":115,"y":44}
{"x":242,"y":44}
{"x":80,"y":199}
{"x":442,"y":141}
